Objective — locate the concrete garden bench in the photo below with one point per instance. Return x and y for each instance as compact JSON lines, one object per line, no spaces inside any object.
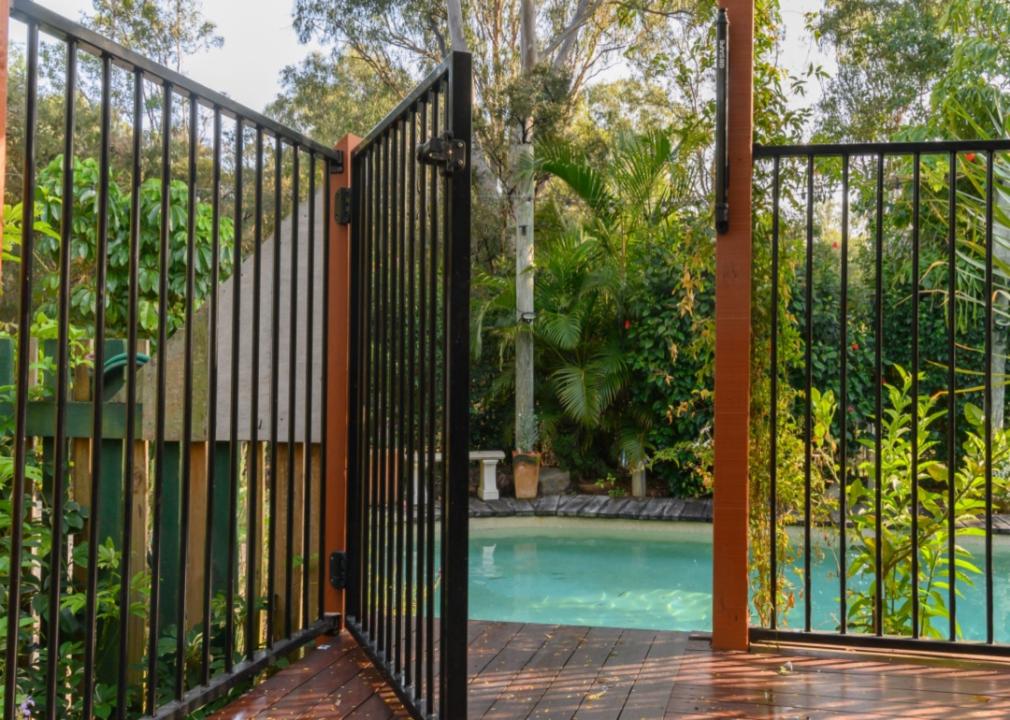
{"x":488,"y":487}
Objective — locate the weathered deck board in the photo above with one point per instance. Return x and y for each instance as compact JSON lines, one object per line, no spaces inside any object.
{"x":521,"y":671}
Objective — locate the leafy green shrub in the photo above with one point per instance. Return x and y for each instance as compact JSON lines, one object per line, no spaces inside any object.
{"x":84,"y":241}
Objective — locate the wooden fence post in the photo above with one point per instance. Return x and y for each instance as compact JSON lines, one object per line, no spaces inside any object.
{"x":338,"y":357}
{"x":732,"y":348}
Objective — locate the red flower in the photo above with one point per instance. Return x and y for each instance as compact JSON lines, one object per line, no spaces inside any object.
{"x":855,"y":346}
{"x":627,"y":324}
{"x":970,"y":157}
{"x":834,"y":246}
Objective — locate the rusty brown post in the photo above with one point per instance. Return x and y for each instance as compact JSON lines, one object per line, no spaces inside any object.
{"x":338,"y":357}
{"x":732,"y":348}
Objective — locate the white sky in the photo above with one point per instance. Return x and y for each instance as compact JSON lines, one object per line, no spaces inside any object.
{"x":259,"y":41}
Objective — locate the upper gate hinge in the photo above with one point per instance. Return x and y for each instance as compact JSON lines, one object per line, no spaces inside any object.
{"x":443,"y":151}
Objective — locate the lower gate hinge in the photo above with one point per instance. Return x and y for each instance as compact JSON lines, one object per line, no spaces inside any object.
{"x":444,"y":151}
{"x":342,"y":206}
{"x":338,"y":570}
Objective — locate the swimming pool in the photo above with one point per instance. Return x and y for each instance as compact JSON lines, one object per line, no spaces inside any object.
{"x":610,"y":573}
{"x":653,"y":575}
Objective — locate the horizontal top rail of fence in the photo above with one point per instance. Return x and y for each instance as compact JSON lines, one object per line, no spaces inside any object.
{"x":90,"y":41}
{"x":924,"y":147}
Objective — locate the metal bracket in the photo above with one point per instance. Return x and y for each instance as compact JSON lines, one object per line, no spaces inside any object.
{"x":342,"y":206}
{"x":338,"y":570}
{"x":722,"y":125}
{"x":444,"y":151}
{"x":338,"y":162}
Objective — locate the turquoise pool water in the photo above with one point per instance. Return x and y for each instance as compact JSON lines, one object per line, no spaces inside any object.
{"x":652,"y":575}
{"x":607,"y":573}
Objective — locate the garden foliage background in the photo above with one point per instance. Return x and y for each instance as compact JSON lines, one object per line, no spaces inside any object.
{"x":624,"y":239}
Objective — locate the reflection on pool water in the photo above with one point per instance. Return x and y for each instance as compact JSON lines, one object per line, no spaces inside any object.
{"x":656,"y":575}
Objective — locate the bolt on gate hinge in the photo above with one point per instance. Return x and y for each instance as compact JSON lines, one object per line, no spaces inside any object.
{"x":444,"y":151}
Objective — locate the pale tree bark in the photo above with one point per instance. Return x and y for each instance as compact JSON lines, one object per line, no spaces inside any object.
{"x":522,"y":152}
{"x":454,"y":11}
{"x":1001,"y":253}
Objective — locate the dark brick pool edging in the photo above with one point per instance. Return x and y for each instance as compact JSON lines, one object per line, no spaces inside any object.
{"x":596,"y":506}
{"x":603,"y":506}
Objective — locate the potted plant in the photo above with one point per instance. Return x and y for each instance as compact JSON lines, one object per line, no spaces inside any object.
{"x":526,"y":460}
{"x":526,"y":473}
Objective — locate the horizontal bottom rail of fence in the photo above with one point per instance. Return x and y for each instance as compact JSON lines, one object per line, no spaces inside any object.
{"x":379,"y":660}
{"x":218,"y":686}
{"x":888,"y":643}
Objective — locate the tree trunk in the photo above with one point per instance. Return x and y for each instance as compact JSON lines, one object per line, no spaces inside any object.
{"x":522,"y":159}
{"x":526,"y":430}
{"x":454,"y":12}
{"x":1001,"y":326}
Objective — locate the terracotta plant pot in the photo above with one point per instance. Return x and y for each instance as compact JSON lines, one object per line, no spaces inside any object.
{"x":526,"y":472}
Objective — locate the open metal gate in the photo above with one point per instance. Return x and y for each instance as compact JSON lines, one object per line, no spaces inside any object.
{"x":408,"y":489}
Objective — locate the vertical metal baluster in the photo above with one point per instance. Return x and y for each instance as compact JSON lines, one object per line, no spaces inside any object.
{"x":233,"y":442}
{"x":448,"y":629}
{"x":289,"y":575}
{"x":368,"y":379}
{"x":354,"y":462}
{"x":808,"y":344}
{"x":351,"y":606}
{"x":57,"y":548}
{"x":951,"y":389}
{"x":383,"y":437}
{"x":774,"y":394}
{"x":421,"y":463}
{"x":401,"y":404}
{"x":253,"y":463}
{"x":390,"y":317}
{"x":164,"y":261}
{"x":432,"y":393}
{"x":187,"y":404}
{"x":410,"y":463}
{"x":878,"y":377}
{"x":98,"y":390}
{"x":914,"y":479}
{"x":988,"y":395}
{"x":391,"y":409}
{"x":455,"y":505}
{"x":212,"y":382}
{"x":131,"y":397}
{"x":275,"y":311}
{"x":376,"y":370}
{"x":310,"y":388}
{"x":843,"y":324}
{"x":21,"y":412}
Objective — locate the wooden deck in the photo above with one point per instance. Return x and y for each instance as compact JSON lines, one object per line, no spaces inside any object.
{"x":553,"y":672}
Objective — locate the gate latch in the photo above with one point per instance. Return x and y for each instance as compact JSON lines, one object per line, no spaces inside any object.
{"x":338,"y":570}
{"x":444,"y":151}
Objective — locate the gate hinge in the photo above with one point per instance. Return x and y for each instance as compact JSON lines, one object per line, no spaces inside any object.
{"x":338,"y":570}
{"x":444,"y":151}
{"x":342,"y":206}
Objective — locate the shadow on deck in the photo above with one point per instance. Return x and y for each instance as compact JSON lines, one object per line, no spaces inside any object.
{"x":554,"y":672}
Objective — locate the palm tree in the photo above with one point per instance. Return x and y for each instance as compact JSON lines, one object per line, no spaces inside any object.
{"x":585,"y":275}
